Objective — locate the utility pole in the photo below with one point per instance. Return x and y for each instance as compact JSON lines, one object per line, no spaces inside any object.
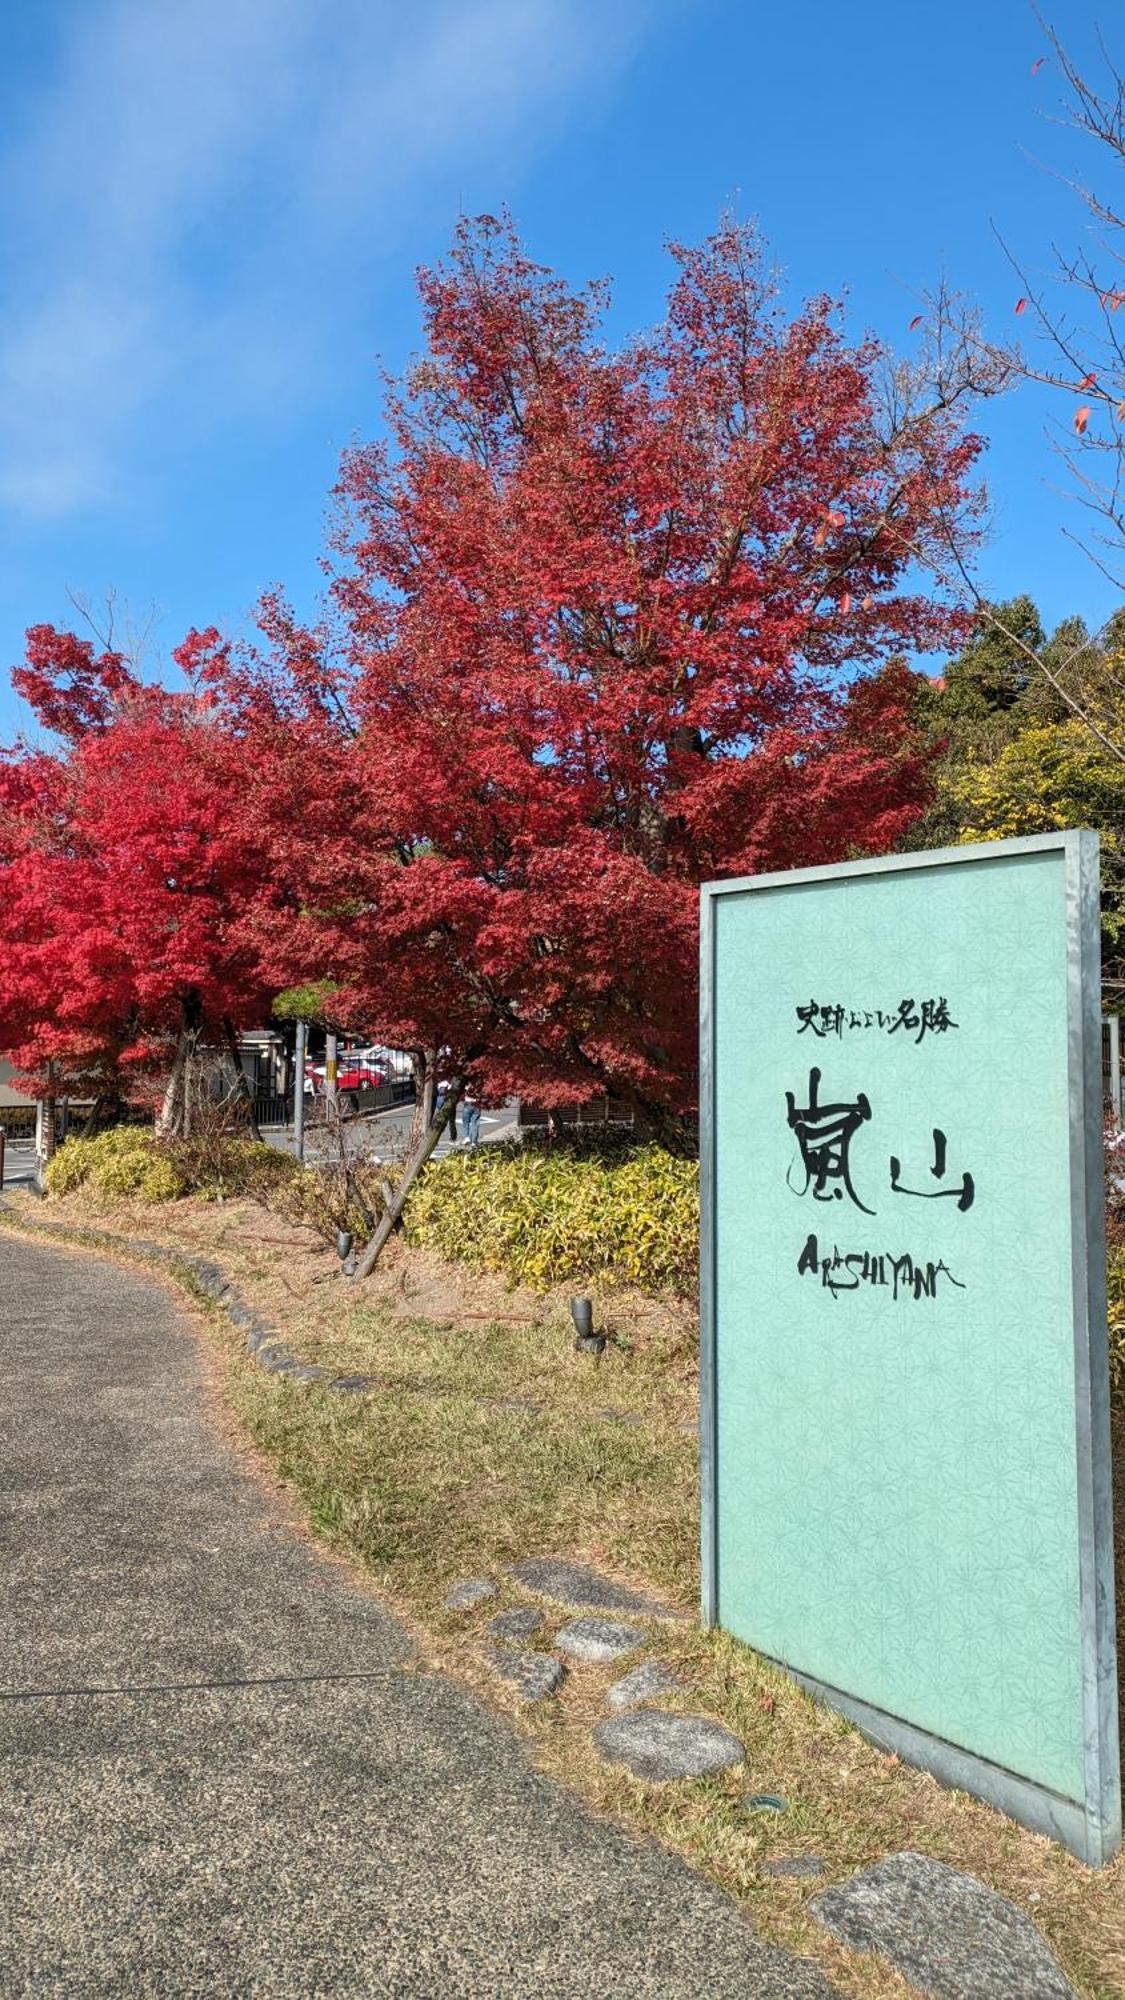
{"x":299,"y":1090}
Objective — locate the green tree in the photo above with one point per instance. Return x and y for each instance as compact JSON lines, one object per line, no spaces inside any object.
{"x":1011,"y":758}
{"x":1049,"y":776}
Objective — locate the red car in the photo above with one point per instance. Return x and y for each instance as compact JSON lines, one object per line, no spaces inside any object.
{"x":350,"y":1075}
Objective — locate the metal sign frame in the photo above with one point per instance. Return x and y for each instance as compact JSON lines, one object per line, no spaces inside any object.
{"x":1092,"y":1829}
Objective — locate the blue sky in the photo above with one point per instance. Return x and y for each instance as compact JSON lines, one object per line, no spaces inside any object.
{"x":211,"y":212}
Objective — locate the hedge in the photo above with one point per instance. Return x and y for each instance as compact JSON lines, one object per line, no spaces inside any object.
{"x":130,"y":1161}
{"x":552,"y":1215}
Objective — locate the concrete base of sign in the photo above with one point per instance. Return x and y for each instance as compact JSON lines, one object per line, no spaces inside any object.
{"x":1045,"y":1812}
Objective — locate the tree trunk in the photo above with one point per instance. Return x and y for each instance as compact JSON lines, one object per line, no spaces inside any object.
{"x":92,"y":1116}
{"x":174,"y":1120}
{"x":243,"y":1080}
{"x":170,"y":1120}
{"x":416,"y":1160}
{"x":423,"y":1062}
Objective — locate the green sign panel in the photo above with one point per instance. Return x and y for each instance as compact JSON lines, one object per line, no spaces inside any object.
{"x":905,"y":1424}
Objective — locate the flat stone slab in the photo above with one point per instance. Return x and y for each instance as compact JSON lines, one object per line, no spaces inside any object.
{"x":599,"y":1639}
{"x":948,"y":1934}
{"x":653,"y":1744}
{"x":518,"y":1623}
{"x":473,"y":1590}
{"x":643,"y":1683}
{"x":577,"y":1583}
{"x":800,"y":1865}
{"x":533,"y":1675}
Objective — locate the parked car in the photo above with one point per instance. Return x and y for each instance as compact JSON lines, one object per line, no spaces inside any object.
{"x":360,"y":1076}
{"x":353,"y":1073}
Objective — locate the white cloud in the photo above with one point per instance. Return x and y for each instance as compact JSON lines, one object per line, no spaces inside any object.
{"x":190,"y":209}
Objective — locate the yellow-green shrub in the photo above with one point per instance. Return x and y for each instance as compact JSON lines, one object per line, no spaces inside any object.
{"x":114,"y":1162}
{"x":216,"y":1166}
{"x":548,"y":1216}
{"x":132,"y":1162}
{"x":148,"y":1175}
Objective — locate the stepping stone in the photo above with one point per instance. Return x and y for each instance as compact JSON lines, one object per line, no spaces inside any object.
{"x":577,"y":1583}
{"x":652,"y":1744}
{"x":642,"y":1683}
{"x":948,"y":1934}
{"x":465,"y":1596}
{"x":519,"y":1623}
{"x":599,"y":1639}
{"x":792,"y":1864}
{"x":533,"y":1675}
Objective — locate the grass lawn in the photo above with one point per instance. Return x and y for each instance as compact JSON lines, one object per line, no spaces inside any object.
{"x":442,"y":1471}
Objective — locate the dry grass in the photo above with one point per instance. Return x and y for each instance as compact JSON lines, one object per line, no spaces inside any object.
{"x":427,"y":1478}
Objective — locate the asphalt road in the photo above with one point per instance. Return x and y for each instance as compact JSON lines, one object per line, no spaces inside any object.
{"x":221,"y":1772}
{"x":19,"y":1165}
{"x":387,"y":1132}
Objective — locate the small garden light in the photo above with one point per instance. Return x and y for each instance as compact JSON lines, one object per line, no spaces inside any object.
{"x":587,"y":1341}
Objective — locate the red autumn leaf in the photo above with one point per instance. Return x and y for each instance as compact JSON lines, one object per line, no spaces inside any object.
{"x":846,"y":602}
{"x":868,"y":602}
{"x":821,"y":535}
{"x":123,"y":879}
{"x":1021,"y":305}
{"x":916,"y":321}
{"x":483,"y":809}
{"x":1088,"y":381}
{"x":834,"y":518}
{"x":1037,"y":65}
{"x":1121,"y":412}
{"x":1082,"y":418}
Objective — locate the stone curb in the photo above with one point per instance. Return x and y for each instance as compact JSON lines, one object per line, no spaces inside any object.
{"x":263,"y":1342}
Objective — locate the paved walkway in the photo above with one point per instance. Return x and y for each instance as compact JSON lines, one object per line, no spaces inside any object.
{"x":218,"y":1773}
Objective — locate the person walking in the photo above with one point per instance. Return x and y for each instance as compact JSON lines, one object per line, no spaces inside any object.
{"x":442,"y":1093}
{"x":470,"y":1119}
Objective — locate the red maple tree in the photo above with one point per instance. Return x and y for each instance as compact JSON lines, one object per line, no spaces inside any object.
{"x":603,"y":624}
{"x":122,"y":880}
